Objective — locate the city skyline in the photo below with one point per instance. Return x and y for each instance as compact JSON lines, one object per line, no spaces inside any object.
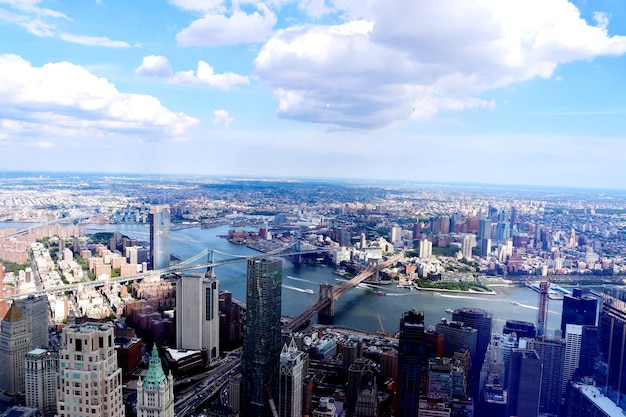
{"x":523,"y":94}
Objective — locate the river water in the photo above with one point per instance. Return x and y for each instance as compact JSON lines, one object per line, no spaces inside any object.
{"x":360,"y":307}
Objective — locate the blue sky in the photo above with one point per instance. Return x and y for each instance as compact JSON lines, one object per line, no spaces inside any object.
{"x":492,"y":91}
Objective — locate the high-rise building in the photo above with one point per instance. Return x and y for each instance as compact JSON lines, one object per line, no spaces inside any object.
{"x":411,"y":360}
{"x":160,"y":237}
{"x":458,"y":337}
{"x":14,"y":345}
{"x":35,"y":311}
{"x":578,"y":309}
{"x":292,"y":372}
{"x":480,"y":320}
{"x":542,"y":313}
{"x":41,"y":380}
{"x":484,"y":229}
{"x":573,"y":342}
{"x":466,"y":246}
{"x":612,"y":345}
{"x":367,"y":398}
{"x":197,"y":315}
{"x":524,"y":383}
{"x":552,"y":355}
{"x":260,"y":362}
{"x":90,"y":382}
{"x":521,"y":329}
{"x":355,"y":376}
{"x":588,"y":351}
{"x":155,"y":394}
{"x":395,"y":236}
{"x":3,"y":303}
{"x":426,"y":249}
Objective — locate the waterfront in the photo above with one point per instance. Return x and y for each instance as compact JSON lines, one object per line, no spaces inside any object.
{"x":360,"y":307}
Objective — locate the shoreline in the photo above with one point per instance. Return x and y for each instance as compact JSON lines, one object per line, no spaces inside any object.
{"x":456,"y":291}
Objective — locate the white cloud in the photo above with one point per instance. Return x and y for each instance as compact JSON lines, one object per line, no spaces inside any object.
{"x":154,"y":66}
{"x":200,"y":5}
{"x":222,"y":118}
{"x":93,"y":41}
{"x":41,"y":22}
{"x":159,"y":66}
{"x":65,"y":99}
{"x":239,"y":27}
{"x":397,"y":60}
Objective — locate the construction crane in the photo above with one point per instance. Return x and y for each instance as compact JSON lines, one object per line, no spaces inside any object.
{"x":271,"y":401}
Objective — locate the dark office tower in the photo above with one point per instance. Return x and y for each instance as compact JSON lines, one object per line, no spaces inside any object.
{"x":513,"y":217}
{"x":552,"y":355}
{"x":160,"y":237}
{"x":588,"y":351}
{"x":444,"y":225}
{"x":524,"y":383}
{"x":612,"y":329}
{"x":542,"y":313}
{"x":578,"y":309}
{"x":260,"y":362}
{"x":520,"y":328}
{"x":480,"y":320}
{"x":411,"y":359}
{"x":458,"y":337}
{"x":355,"y":376}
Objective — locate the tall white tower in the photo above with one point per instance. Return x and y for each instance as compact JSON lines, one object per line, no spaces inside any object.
{"x":292,"y":369}
{"x":573,"y":340}
{"x":90,"y":382}
{"x":155,"y":394}
{"x":197,"y":315}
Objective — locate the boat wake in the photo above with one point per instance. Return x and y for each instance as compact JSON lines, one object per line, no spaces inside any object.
{"x":465,"y":297}
{"x":301,"y":279}
{"x":307,"y":290}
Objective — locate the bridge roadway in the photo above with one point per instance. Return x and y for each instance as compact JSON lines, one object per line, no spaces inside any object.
{"x":186,"y":265}
{"x":338,"y":290}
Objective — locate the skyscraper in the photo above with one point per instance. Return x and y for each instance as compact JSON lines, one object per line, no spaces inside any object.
{"x":524,"y":383}
{"x":90,"y":382}
{"x":292,"y":372}
{"x":260,"y":362}
{"x":14,"y":345}
{"x":552,"y":355}
{"x":573,"y":341}
{"x":35,"y":311}
{"x":160,"y":237}
{"x":411,"y":360}
{"x":481,"y":321}
{"x":197,"y":315}
{"x":612,"y":335}
{"x":41,"y":380}
{"x":578,"y":309}
{"x":155,"y":394}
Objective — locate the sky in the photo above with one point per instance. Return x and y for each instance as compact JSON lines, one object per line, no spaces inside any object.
{"x":488,"y":91}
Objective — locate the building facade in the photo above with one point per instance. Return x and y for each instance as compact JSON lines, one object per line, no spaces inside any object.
{"x":35,"y":311}
{"x":292,"y":372}
{"x":159,"y":237}
{"x":41,"y":380}
{"x":578,"y":309}
{"x":197,"y":315}
{"x":155,"y":394}
{"x":260,"y":362}
{"x":411,"y":361}
{"x":90,"y":382}
{"x":14,"y":345}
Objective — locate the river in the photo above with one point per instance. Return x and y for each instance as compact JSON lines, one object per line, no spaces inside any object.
{"x":360,"y":307}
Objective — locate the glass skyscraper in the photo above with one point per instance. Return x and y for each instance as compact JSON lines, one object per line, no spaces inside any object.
{"x":261,"y":337}
{"x":412,"y":362}
{"x":160,"y":237}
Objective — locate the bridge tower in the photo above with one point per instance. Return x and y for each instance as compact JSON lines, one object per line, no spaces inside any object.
{"x":327,"y":314}
{"x":375,"y":278}
{"x":297,"y":259}
{"x":210,"y":259}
